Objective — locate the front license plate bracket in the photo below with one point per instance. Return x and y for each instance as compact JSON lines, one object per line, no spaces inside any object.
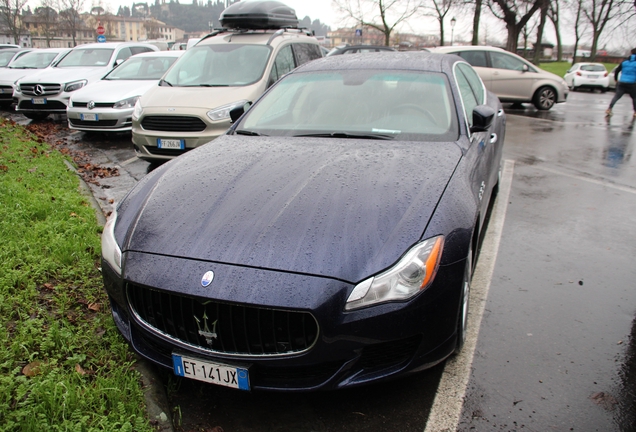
{"x":210,"y":372}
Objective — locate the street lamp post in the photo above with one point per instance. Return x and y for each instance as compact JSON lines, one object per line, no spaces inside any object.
{"x":453,"y":21}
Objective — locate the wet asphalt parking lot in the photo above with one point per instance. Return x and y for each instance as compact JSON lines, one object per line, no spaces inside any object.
{"x":555,"y":348}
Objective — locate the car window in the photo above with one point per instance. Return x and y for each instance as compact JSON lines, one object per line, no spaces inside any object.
{"x":474,"y":81}
{"x":305,"y":52}
{"x":87,"y":57}
{"x":474,"y":58}
{"x":140,"y":49}
{"x":35,"y":59}
{"x":283,"y":64}
{"x":505,"y":61}
{"x":141,"y":68}
{"x":593,"y":68}
{"x":404,"y":105}
{"x":468,"y":96}
{"x":220,"y":65}
{"x":5,"y":57}
{"x":123,"y":54}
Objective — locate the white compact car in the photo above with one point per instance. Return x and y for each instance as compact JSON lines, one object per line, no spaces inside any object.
{"x":49,"y":90}
{"x":587,"y":75}
{"x":107,"y":104}
{"x":26,"y":65}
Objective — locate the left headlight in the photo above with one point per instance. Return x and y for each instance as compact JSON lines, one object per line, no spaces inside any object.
{"x":223,"y":112}
{"x":75,"y":85}
{"x":110,"y":249}
{"x":138,"y":111}
{"x":126,"y":103}
{"x":412,"y":274}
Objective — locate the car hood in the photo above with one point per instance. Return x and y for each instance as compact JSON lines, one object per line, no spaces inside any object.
{"x":67,"y":75}
{"x":197,"y":97}
{"x":339,"y":208}
{"x":113,"y":90}
{"x":9,"y":75}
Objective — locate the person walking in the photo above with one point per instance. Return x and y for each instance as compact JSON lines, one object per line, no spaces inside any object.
{"x":627,"y":82}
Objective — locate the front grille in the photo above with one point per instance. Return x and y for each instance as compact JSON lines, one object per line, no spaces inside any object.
{"x":389,"y":353}
{"x":173,"y":124}
{"x":48,"y":106}
{"x":222,"y":327}
{"x":166,"y":152}
{"x":6,"y":93}
{"x":97,"y":104}
{"x":40,"y":90}
{"x":99,"y":123}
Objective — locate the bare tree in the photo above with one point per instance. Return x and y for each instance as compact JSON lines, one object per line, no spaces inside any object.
{"x":70,"y":19}
{"x":554,"y":13}
{"x":542,"y":19}
{"x":508,"y":11}
{"x":10,"y":11}
{"x":599,"y":13}
{"x":438,"y":9}
{"x":382,"y":15}
{"x":476,"y":19}
{"x":577,"y":30}
{"x":46,"y":18}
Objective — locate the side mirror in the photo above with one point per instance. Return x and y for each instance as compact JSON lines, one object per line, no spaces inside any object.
{"x":237,"y":112}
{"x":525,"y":68}
{"x":483,"y":116}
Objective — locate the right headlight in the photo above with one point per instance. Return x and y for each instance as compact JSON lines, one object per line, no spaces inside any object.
{"x":110,"y":249}
{"x":412,"y":274}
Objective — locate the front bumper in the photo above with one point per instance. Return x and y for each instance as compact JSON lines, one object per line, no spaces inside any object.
{"x":351,"y":348}
{"x":108,"y":119}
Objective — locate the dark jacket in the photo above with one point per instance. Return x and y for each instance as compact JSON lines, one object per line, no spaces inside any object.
{"x":628,"y":70}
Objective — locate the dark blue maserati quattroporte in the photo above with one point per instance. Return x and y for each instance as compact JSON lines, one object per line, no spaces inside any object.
{"x":326,"y":241}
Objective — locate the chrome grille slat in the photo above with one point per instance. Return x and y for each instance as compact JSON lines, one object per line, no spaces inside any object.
{"x":239,"y":329}
{"x":47,"y":89}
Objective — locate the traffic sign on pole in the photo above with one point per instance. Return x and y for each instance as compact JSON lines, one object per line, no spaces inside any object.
{"x":101,"y":38}
{"x":100,"y":30}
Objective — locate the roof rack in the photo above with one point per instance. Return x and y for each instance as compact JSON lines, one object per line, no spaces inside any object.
{"x":264,"y":15}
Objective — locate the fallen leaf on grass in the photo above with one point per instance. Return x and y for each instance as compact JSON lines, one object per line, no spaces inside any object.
{"x":32,"y":369}
{"x":95,"y":307}
{"x":80,"y":370}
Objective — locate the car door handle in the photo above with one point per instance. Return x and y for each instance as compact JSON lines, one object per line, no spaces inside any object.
{"x":493,"y":138}
{"x":500,"y":113}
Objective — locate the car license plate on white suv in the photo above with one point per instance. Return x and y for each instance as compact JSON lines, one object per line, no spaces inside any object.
{"x":171,"y":144}
{"x":213,"y":373}
{"x":38,"y":101}
{"x":88,"y":117}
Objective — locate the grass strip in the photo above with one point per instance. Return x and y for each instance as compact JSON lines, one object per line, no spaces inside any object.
{"x":64,"y":366}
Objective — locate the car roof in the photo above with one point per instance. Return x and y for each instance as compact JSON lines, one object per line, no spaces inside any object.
{"x":453,"y":48}
{"x":257,"y":37}
{"x":113,"y":45}
{"x":408,"y":61}
{"x":156,"y":54}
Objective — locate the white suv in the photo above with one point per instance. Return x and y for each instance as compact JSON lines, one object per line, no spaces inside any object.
{"x":49,"y":90}
{"x":226,"y":69}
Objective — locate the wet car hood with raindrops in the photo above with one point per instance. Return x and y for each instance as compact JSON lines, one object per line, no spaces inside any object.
{"x":318,"y":206}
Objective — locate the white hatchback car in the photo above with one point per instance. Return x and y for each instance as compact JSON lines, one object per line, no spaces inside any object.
{"x":49,"y":90}
{"x":107,"y":104}
{"x":587,"y":75}
{"x":511,"y":77}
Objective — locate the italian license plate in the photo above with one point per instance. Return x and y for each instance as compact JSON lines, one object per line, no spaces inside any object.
{"x":171,"y":144}
{"x":88,"y":117}
{"x":213,"y":373}
{"x":592,"y":76}
{"x":38,"y":101}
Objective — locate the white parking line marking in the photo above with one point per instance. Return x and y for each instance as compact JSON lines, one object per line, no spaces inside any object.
{"x":449,"y":400}
{"x":129,"y":161}
{"x":589,"y":180}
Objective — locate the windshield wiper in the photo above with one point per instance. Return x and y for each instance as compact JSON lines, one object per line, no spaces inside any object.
{"x":348,"y":135}
{"x":163,"y":81}
{"x":210,"y":85}
{"x":247,"y":132}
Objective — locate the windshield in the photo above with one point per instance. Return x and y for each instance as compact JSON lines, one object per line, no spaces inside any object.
{"x":411,"y":106}
{"x":593,"y":68}
{"x":5,"y":57}
{"x":141,"y":68}
{"x":219,"y":65}
{"x":34,"y":60}
{"x":87,"y":57}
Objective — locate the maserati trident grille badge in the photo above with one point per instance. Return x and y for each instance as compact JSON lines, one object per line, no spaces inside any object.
{"x":207,"y":279}
{"x":204,"y":330}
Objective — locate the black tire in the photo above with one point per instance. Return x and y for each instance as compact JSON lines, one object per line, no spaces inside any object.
{"x":464,"y":303}
{"x":544,"y":98}
{"x":36,"y":115}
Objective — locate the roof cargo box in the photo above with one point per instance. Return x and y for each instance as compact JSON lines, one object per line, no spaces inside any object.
{"x":258,"y":15}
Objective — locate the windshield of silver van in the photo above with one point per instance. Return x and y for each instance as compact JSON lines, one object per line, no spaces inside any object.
{"x":219,"y":65}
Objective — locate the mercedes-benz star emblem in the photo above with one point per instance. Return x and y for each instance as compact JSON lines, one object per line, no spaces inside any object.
{"x":91,"y":105}
{"x":38,"y":90}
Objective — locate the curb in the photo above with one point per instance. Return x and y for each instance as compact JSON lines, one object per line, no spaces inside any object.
{"x":157,"y":407}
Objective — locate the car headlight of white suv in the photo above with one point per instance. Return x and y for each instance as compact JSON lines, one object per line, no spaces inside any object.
{"x":75,"y":85}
